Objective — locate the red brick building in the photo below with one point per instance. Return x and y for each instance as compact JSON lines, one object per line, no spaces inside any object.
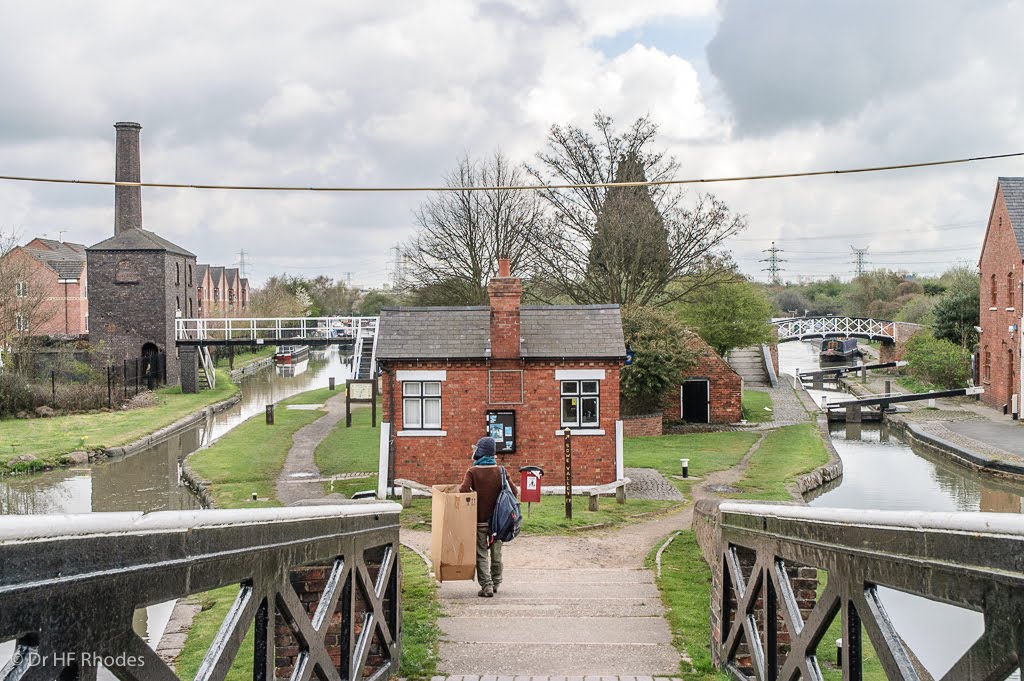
{"x":710,"y":392}
{"x":451,"y":375}
{"x":1001,"y":265}
{"x":52,"y":281}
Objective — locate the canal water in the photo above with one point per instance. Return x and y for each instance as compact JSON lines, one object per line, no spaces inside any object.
{"x":881,"y":471}
{"x":150,"y":480}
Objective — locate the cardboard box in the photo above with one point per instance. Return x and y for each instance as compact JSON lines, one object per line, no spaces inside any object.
{"x":453,"y":533}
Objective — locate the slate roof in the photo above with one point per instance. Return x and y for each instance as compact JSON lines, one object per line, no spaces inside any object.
{"x":201,"y":274}
{"x":64,"y":258}
{"x":1013,"y":194}
{"x":139,"y":240}
{"x":569,"y":331}
{"x":216,"y":275}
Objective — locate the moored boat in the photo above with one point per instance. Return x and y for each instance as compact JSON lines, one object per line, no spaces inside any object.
{"x":838,"y":350}
{"x":291,"y":354}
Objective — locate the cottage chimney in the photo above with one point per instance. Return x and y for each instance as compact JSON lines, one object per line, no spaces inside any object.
{"x":506,"y":294}
{"x":127,"y":200}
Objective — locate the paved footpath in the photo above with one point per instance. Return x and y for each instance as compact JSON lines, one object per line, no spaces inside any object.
{"x":300,"y":477}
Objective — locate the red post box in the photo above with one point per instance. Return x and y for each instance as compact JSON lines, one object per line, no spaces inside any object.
{"x":529,"y":489}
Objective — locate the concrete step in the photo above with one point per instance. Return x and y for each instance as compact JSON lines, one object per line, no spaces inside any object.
{"x":504,"y":607}
{"x":559,"y":659}
{"x":551,"y":630}
{"x":451,"y":592}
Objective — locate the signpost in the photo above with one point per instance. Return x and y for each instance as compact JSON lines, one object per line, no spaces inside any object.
{"x":361,"y":392}
{"x":568,"y":474}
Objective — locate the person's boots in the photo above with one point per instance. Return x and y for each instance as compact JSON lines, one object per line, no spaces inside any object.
{"x":494,"y":587}
{"x":486,"y":591}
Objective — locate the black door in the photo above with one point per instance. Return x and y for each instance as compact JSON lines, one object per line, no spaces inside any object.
{"x":695,"y":401}
{"x":151,"y":365}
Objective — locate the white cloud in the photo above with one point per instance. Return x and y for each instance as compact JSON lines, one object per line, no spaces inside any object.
{"x":602,"y":18}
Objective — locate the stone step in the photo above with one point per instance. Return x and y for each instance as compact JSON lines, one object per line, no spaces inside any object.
{"x":553,"y":630}
{"x":451,"y":592}
{"x":502,"y":606}
{"x":558,"y":659}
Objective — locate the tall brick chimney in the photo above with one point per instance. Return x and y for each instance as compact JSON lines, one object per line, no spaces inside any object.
{"x":506,"y":294}
{"x":127,"y":200}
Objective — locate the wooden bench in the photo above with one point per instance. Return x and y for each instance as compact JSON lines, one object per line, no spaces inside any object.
{"x":619,"y":487}
{"x":407,"y":488}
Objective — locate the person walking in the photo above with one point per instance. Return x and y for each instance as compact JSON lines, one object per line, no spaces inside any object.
{"x":484,"y":478}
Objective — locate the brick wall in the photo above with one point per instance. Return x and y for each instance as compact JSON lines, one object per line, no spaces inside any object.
{"x":642,"y":426}
{"x":725,"y":386}
{"x":464,"y":403}
{"x":309,"y":583}
{"x":132,"y":301}
{"x":893,"y":351}
{"x":1001,"y":258}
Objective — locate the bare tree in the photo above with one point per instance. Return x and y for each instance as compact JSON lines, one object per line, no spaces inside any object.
{"x":24,"y":303}
{"x":463,"y":233}
{"x":642,"y":245}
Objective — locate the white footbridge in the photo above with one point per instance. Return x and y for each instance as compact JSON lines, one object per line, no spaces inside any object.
{"x":359,"y":332}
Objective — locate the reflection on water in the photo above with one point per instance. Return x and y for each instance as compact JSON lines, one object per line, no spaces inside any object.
{"x":151,"y":479}
{"x":880,"y":471}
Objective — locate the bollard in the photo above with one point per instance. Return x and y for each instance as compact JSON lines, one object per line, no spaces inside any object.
{"x":254,"y":496}
{"x":330,"y":383}
{"x":796,"y":378}
{"x":270,"y":414}
{"x":839,"y":652}
{"x":686,"y":467}
{"x":888,"y":387}
{"x":824,"y":402}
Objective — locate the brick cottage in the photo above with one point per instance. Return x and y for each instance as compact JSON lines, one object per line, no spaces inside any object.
{"x":521,"y":373}
{"x":1001,"y":266}
{"x":710,"y":392}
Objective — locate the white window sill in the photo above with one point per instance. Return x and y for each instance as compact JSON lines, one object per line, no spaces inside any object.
{"x":1011,"y":309}
{"x":993,"y":309}
{"x":421,"y":433}
{"x":581,"y":431}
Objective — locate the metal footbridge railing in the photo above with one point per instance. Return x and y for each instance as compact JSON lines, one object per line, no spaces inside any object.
{"x":70,"y":584}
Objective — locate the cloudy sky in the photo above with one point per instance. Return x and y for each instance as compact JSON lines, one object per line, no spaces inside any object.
{"x":359,"y":93}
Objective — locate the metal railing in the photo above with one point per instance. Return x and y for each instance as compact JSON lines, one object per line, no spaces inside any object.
{"x":825,"y":327}
{"x":272,"y":329}
{"x":209,"y":368}
{"x":69,"y":586}
{"x":771,"y":622}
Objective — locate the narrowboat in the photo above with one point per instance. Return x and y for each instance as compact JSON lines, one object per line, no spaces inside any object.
{"x":838,"y":350}
{"x":291,"y":354}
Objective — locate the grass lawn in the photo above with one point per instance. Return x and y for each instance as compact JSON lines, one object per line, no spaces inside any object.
{"x":351,"y":450}
{"x":754,"y":406}
{"x":215,"y":606}
{"x":783,"y":456}
{"x":250,"y":457}
{"x":685,"y":586}
{"x":50,"y":439}
{"x":707,"y":452}
{"x":420,"y":611}
{"x":548,"y":516}
{"x":243,"y":358}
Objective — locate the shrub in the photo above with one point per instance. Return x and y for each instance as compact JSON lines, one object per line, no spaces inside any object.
{"x":659,"y":341}
{"x":938,"y":361}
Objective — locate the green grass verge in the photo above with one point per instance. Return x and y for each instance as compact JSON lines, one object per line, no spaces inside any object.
{"x":245,"y":358}
{"x":51,"y":439}
{"x":207,"y":622}
{"x":250,"y":457}
{"x":420,"y":612}
{"x":548,"y":516}
{"x":350,"y":450}
{"x":707,"y":452}
{"x":784,"y":455}
{"x":685,"y":586}
{"x":757,"y":406}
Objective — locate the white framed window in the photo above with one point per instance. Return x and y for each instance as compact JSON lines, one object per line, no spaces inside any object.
{"x":21,"y":289}
{"x":20,"y":323}
{"x":421,"y":405}
{"x":581,"y":404}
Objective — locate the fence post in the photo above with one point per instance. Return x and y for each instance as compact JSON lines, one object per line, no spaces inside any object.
{"x":124,"y":382}
{"x":53,"y":387}
{"x":110,"y":387}
{"x":138,"y":369}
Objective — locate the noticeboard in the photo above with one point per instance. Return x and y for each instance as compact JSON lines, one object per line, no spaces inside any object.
{"x":501,"y":425}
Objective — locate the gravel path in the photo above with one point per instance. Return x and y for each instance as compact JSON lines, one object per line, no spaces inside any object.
{"x":300,"y":478}
{"x":648,"y":483}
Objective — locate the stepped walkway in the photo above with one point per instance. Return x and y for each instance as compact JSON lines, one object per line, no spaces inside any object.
{"x":749,"y":364}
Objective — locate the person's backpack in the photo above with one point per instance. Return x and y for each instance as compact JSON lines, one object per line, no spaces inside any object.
{"x":507,"y":520}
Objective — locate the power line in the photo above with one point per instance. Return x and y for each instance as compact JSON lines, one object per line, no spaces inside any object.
{"x":938,"y":228}
{"x":587,"y":185}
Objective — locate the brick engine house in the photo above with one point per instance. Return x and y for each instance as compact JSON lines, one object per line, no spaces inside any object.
{"x":522,"y":374}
